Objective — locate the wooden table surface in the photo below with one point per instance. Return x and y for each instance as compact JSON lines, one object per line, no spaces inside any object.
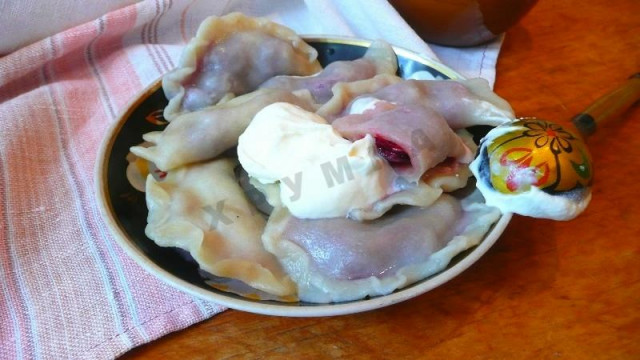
{"x":545,"y":290}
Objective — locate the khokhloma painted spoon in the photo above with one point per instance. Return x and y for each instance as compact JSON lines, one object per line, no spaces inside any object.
{"x":537,"y":168}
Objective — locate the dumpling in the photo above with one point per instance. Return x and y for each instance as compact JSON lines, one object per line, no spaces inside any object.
{"x":232,"y":55}
{"x":412,"y":138}
{"x":204,"y":134}
{"x":451,"y":174}
{"x":379,"y":59}
{"x":202,"y":209}
{"x":345,"y":92}
{"x":414,"y":121}
{"x":447,"y":176}
{"x":333,"y":260}
{"x":462,"y":103}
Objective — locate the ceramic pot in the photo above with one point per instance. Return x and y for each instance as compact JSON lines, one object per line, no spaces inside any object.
{"x":461,"y":22}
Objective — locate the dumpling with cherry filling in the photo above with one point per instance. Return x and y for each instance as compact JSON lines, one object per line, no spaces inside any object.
{"x":334,"y":260}
{"x":232,"y":55}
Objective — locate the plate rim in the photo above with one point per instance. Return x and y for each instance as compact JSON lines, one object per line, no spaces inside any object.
{"x":399,"y":50}
{"x":254,"y":306}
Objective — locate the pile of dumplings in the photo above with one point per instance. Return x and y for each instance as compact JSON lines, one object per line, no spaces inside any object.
{"x":235,"y":227}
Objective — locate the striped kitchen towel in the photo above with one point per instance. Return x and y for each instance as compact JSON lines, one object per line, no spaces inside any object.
{"x":66,"y":288}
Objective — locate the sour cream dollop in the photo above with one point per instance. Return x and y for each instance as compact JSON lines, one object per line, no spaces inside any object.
{"x":319,"y":173}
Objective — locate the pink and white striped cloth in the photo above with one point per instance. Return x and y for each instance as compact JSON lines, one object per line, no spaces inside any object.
{"x":66,"y":289}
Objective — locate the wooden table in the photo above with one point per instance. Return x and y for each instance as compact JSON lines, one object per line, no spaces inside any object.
{"x":546,"y":290}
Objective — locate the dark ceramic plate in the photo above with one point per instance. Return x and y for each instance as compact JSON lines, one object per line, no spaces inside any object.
{"x":124,"y":208}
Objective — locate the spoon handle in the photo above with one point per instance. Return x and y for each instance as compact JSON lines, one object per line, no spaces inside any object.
{"x":608,"y":106}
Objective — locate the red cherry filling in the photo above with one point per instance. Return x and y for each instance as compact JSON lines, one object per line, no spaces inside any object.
{"x":392,"y":152}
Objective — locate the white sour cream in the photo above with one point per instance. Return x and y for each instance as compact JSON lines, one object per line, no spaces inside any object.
{"x":320,"y":174}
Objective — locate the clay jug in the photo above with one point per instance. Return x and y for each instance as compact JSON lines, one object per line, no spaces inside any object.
{"x":461,"y":22}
